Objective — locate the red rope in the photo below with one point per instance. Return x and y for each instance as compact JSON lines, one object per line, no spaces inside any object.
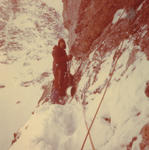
{"x":91,"y":141}
{"x":111,"y":74}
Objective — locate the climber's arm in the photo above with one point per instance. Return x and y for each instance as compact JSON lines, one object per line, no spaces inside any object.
{"x":69,"y":57}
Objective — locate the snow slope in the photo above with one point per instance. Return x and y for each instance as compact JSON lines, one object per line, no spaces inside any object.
{"x":28,"y":31}
{"x":114,"y":77}
{"x":123,"y":112}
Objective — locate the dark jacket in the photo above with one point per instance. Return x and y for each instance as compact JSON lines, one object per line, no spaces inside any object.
{"x":59,"y":58}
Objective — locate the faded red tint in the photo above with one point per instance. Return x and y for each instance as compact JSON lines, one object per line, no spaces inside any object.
{"x":15,"y":6}
{"x":147,"y":89}
{"x":94,"y":24}
{"x":145,"y":137}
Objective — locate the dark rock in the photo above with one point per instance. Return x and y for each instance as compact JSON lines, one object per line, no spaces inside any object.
{"x":27,"y":83}
{"x":86,"y":20}
{"x":147,"y":89}
{"x":18,"y":102}
{"x":45,"y":74}
{"x":107,"y":119}
{"x":16,"y":137}
{"x":129,"y":146}
{"x":145,"y":137}
{"x":2,"y":86}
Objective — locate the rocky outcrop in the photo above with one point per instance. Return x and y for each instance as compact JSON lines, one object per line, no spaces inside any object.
{"x":2,"y":86}
{"x":145,"y":137}
{"x":147,"y":89}
{"x":88,"y":20}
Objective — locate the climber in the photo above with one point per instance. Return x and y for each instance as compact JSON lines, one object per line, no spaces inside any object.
{"x":60,"y":67}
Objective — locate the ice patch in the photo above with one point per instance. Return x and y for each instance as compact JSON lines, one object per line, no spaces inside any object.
{"x":120,"y":14}
{"x":140,"y":6}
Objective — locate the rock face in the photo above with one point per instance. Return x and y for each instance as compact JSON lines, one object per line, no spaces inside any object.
{"x":103,"y":26}
{"x":145,"y":137}
{"x":88,"y":19}
{"x":147,"y":89}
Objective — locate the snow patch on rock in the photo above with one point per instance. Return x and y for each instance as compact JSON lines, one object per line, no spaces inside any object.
{"x":120,"y":14}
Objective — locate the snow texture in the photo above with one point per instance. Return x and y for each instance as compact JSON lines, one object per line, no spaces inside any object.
{"x":123,"y":112}
{"x":25,"y":59}
{"x":120,"y":14}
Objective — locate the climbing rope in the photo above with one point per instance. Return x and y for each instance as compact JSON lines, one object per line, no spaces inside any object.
{"x":90,"y":138}
{"x":118,"y":54}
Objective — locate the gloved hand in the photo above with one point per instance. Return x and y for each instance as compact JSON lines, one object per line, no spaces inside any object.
{"x":69,"y":57}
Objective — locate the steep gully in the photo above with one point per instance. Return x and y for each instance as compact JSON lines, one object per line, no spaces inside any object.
{"x":90,"y":24}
